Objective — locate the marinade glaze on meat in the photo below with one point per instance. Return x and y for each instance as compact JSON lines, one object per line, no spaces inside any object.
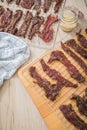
{"x":37,"y":21}
{"x":54,"y":74}
{"x":11,"y":27}
{"x":82,"y":40}
{"x":27,"y":3}
{"x":81,"y":102}
{"x":72,"y":43}
{"x":47,"y":32}
{"x":57,"y":5}
{"x":25,"y":25}
{"x":72,"y":117}
{"x":73,"y":71}
{"x":6,"y":18}
{"x":75,"y":57}
{"x":37,"y":4}
{"x":51,"y":90}
{"x":47,"y":4}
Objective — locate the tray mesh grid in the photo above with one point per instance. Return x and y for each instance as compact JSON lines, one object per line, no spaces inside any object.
{"x":36,"y":40}
{"x":65,"y":93}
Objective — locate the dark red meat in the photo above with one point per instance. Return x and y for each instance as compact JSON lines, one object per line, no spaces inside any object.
{"x":56,"y":75}
{"x":1,"y":10}
{"x":75,"y":57}
{"x":37,"y":4}
{"x":27,"y":3}
{"x":72,"y":43}
{"x":47,"y":35}
{"x":81,"y":103}
{"x":47,"y":4}
{"x":6,"y":18}
{"x":17,"y":17}
{"x":82,"y":40}
{"x":11,"y":28}
{"x":58,"y":5}
{"x":25,"y":25}
{"x":72,"y":117}
{"x":47,"y":32}
{"x":51,"y":90}
{"x":37,"y":21}
{"x":73,"y":71}
{"x":50,"y":20}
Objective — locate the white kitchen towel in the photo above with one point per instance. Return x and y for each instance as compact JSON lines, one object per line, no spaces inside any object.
{"x":13,"y":53}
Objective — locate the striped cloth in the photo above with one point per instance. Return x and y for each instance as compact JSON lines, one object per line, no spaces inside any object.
{"x":13,"y":53}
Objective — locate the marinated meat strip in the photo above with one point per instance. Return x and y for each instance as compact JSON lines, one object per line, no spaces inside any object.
{"x":75,"y":57}
{"x":56,"y":75}
{"x":47,"y":4}
{"x":58,"y":5}
{"x":17,"y":17}
{"x":11,"y":28}
{"x":72,"y":117}
{"x":1,"y":10}
{"x":82,"y":40}
{"x":37,"y":21}
{"x":50,"y":20}
{"x":86,"y":30}
{"x":73,"y":71}
{"x":8,"y":1}
{"x":72,"y":43}
{"x":37,"y":4}
{"x":51,"y":90}
{"x":6,"y":18}
{"x":18,"y":2}
{"x":47,"y":32}
{"x":27,"y":3}
{"x":81,"y":103}
{"x":25,"y":25}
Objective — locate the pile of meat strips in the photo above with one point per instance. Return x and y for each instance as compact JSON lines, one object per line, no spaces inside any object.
{"x":78,"y":51}
{"x":31,"y":24}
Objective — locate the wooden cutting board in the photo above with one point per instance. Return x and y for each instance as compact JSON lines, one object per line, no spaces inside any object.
{"x":49,"y":110}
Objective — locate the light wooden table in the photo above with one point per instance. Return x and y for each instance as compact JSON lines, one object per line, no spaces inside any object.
{"x":17,"y":111}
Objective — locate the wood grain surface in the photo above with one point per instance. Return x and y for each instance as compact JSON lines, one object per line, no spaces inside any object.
{"x":49,"y":110}
{"x":17,"y":110}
